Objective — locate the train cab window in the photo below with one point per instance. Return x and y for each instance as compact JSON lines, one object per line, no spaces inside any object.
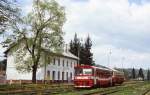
{"x":87,"y":71}
{"x":97,"y":73}
{"x":83,"y":71}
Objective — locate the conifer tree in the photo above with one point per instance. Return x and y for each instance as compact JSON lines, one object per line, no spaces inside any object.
{"x":82,"y":50}
{"x":88,"y":54}
{"x":141,"y":73}
{"x":148,"y":75}
{"x":82,"y":55}
{"x":133,"y":74}
{"x":75,"y":46}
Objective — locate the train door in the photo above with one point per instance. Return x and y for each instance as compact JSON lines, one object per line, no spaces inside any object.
{"x":95,"y":78}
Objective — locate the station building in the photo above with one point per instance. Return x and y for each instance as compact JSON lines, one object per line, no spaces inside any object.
{"x":60,"y":69}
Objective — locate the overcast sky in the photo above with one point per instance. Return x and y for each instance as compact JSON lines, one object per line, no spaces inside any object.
{"x":122,"y":26}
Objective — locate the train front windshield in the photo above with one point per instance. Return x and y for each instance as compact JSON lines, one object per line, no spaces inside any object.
{"x":83,"y":71}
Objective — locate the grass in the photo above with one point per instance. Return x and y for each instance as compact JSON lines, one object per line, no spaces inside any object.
{"x":137,"y":89}
{"x":133,"y":88}
{"x":130,"y":88}
{"x":34,"y":88}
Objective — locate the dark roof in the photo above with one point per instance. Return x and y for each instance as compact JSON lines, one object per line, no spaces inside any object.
{"x":66,"y":54}
{"x":63,"y":54}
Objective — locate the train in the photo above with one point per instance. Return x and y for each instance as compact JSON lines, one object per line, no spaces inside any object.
{"x":96,"y":76}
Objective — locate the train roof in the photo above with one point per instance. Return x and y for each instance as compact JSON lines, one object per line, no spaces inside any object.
{"x":96,"y":66}
{"x":117,"y":71}
{"x":102,"y":67}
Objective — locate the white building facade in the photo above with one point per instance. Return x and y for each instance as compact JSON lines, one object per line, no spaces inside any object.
{"x":60,"y":69}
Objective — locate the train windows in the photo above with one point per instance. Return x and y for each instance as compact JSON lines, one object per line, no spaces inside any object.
{"x":97,"y":73}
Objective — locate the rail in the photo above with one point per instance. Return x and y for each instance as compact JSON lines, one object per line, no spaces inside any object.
{"x":147,"y":92}
{"x":115,"y":89}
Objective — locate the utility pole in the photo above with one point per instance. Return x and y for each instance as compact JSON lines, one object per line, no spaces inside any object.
{"x":109,"y":62}
{"x":109,"y":57}
{"x":78,"y":55}
{"x":122,"y":60}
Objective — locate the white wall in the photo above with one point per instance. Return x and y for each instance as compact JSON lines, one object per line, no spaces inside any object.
{"x":62,"y":68}
{"x":13,"y":74}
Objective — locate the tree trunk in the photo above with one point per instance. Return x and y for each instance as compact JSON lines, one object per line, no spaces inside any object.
{"x":34,"y":69}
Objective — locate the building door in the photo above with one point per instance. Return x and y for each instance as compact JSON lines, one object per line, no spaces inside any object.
{"x":62,"y":76}
{"x":67,"y":76}
{"x":53,"y":76}
{"x":48,"y":75}
{"x":58,"y":76}
{"x":71,"y":76}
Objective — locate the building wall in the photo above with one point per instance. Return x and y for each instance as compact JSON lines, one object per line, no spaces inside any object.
{"x":59,"y":67}
{"x":54,"y":66}
{"x":12,"y":73}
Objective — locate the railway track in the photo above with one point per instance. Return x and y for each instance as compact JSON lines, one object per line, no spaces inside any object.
{"x":103,"y":93}
{"x":147,"y":92}
{"x":116,"y":89}
{"x":55,"y":90}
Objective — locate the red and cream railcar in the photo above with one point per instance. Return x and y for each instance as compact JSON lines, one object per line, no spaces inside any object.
{"x":117,"y":77}
{"x":92,"y":76}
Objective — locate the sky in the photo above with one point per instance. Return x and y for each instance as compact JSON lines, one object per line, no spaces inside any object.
{"x":117,"y":26}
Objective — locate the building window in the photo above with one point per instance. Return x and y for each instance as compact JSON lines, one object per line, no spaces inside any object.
{"x":63,"y":62}
{"x":59,"y":62}
{"x":67,"y":75}
{"x":70,"y":76}
{"x":63,"y":76}
{"x":54,"y":61}
{"x":53,"y":77}
{"x":75,"y":64}
{"x":71,"y":63}
{"x":67,"y":63}
{"x":48,"y":74}
{"x":58,"y":75}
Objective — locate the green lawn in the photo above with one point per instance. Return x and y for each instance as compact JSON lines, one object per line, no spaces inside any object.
{"x":137,"y":89}
{"x":128,"y":88}
{"x":133,"y":88}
